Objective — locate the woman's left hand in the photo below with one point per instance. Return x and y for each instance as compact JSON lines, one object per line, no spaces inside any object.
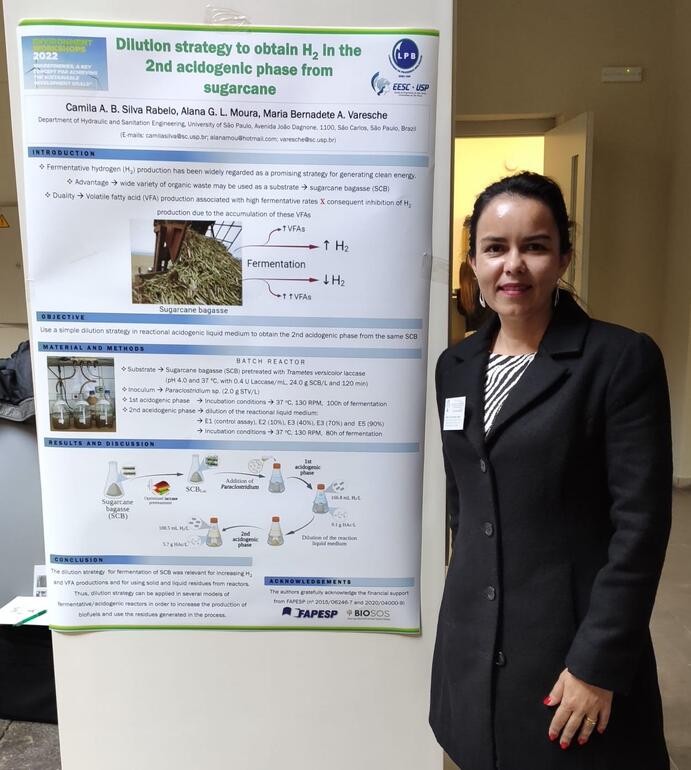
{"x":581,"y":708}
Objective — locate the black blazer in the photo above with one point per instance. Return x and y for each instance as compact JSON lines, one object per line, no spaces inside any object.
{"x":560,"y":519}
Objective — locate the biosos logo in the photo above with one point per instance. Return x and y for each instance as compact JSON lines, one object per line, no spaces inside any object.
{"x":300,"y":612}
{"x":405,"y":56}
{"x":370,"y":614}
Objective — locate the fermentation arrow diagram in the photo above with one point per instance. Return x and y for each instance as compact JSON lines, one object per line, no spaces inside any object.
{"x":306,"y":483}
{"x":268,"y":285}
{"x":297,"y":529}
{"x":309,"y":246}
{"x":307,"y":280}
{"x":156,"y":475}
{"x":241,"y":526}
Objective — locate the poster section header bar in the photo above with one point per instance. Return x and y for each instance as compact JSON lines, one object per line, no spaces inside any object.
{"x":287,"y":446}
{"x":178,"y":561}
{"x":217,"y":320}
{"x":227,"y":350}
{"x":371,"y":582}
{"x":262,"y":158}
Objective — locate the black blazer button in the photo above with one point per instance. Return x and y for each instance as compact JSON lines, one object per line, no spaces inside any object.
{"x":500,"y":659}
{"x":491,"y":593}
{"x":488,"y":528}
{"x":483,"y":466}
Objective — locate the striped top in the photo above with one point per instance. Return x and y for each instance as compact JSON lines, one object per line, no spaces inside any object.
{"x":503,"y":372}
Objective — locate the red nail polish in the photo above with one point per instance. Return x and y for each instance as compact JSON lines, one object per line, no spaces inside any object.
{"x":582,"y":741}
{"x":553,"y":736}
{"x":601,"y":730}
{"x":547,"y":701}
{"x":564,"y":745}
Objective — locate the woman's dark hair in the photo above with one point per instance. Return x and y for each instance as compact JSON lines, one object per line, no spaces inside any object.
{"x":527,"y":184}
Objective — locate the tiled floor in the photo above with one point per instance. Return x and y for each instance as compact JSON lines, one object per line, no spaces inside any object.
{"x":28,"y":746}
{"x":33,"y":746}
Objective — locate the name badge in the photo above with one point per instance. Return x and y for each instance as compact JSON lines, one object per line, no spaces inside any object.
{"x":454,"y":413}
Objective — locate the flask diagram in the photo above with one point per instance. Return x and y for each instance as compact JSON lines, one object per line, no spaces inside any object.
{"x":320,"y":504}
{"x":197,"y":468}
{"x":195,"y":476}
{"x":114,"y":481}
{"x":276,"y":483}
{"x":115,"y":478}
{"x":275,"y":532}
{"x":213,"y":535}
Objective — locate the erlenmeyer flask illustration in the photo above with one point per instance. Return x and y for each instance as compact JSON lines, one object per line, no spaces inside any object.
{"x":195,"y":475}
{"x":275,"y":532}
{"x":81,"y":413}
{"x":113,"y":481}
{"x":213,"y":536}
{"x":276,"y":483}
{"x":60,"y":415}
{"x":320,"y":504}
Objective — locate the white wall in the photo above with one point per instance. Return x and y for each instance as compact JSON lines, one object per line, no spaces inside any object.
{"x":255,"y":700}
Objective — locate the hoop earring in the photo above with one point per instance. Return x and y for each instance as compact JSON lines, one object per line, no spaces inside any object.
{"x":556,"y":296}
{"x":482,"y":299}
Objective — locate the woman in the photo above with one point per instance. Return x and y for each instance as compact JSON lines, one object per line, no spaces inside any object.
{"x":559,"y":474}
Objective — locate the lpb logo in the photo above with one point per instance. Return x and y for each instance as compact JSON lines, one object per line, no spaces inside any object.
{"x":405,"y":55}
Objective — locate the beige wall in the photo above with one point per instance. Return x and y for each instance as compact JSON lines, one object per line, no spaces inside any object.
{"x":542,"y":57}
{"x":676,"y":314}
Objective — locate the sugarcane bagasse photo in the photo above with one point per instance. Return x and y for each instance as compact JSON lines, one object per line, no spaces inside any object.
{"x":192,"y":263}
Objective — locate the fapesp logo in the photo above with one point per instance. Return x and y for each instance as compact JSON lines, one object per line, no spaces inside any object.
{"x":299,"y":612}
{"x":405,"y":55}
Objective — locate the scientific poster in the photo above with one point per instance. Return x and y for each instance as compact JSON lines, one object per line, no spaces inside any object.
{"x":228,"y":248}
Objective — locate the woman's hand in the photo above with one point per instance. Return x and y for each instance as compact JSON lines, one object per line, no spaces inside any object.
{"x":581,"y":708}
